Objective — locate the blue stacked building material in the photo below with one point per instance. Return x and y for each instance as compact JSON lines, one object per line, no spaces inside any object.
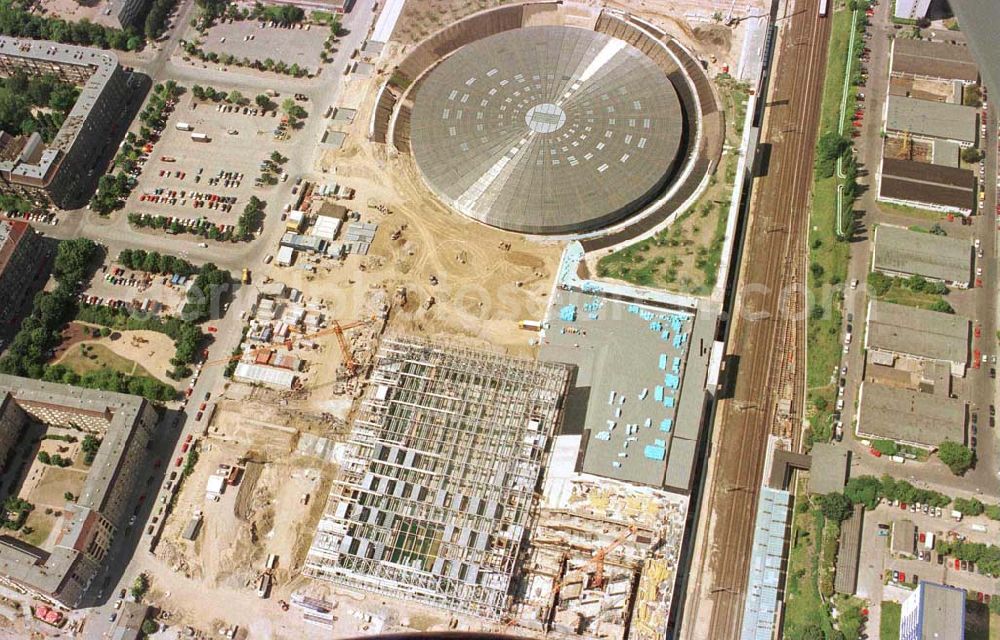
{"x":658,"y":393}
{"x":668,"y":402}
{"x":655,"y":453}
{"x":666,"y":425}
{"x":568,"y":313}
{"x":671,"y":381}
{"x":663,"y":362}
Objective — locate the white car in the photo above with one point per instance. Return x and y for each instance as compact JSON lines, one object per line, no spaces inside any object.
{"x":854,"y":283}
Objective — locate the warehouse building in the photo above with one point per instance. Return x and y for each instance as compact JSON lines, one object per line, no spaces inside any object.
{"x":62,"y":572}
{"x":896,"y":330}
{"x":900,"y":252}
{"x":933,"y":612}
{"x":927,"y":186}
{"x":928,"y":120}
{"x":60,"y":172}
{"x":928,"y":60}
{"x":909,"y":417}
{"x":20,"y":247}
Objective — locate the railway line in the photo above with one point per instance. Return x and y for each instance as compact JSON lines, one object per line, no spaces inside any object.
{"x":768,"y":330}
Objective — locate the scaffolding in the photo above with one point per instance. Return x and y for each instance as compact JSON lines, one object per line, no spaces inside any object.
{"x":439,"y":487}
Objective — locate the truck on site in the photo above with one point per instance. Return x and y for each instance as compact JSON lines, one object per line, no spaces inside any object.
{"x":981,"y":528}
{"x":264,"y":585}
{"x":200,"y":137}
{"x":183,"y":126}
{"x":929,"y":540}
{"x":245,"y":278}
{"x":272,"y":560}
{"x":957,"y":515}
{"x":529,"y":325}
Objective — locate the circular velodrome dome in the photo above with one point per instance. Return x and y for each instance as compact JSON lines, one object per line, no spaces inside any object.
{"x":546,"y":130}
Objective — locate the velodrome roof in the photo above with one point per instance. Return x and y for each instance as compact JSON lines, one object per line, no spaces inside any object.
{"x":903,"y":415}
{"x":546,"y":129}
{"x":931,"y":119}
{"x":899,"y":250}
{"x":917,"y":332}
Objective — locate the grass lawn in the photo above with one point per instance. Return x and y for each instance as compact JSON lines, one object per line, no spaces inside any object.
{"x":40,"y":525}
{"x":912,"y":212}
{"x":828,"y":255}
{"x":803,"y":606}
{"x":685,"y":256}
{"x":889,"y":625}
{"x":87,"y":357}
{"x":902,"y":295}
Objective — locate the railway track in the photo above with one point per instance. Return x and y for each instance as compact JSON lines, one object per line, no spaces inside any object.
{"x":768,"y":332}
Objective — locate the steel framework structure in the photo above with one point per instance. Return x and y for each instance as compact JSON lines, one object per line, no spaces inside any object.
{"x":440,"y":485}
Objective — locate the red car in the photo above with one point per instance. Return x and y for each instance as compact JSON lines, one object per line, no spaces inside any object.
{"x":184,"y":447}
{"x":187,"y":394}
{"x":211,"y":329}
{"x":203,"y":405}
{"x":188,"y":439}
{"x":958,"y":563}
{"x":902,"y":577}
{"x":179,"y":461}
{"x":198,"y":416}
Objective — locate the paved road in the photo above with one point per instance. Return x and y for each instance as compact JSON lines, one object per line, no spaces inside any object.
{"x":116,"y":234}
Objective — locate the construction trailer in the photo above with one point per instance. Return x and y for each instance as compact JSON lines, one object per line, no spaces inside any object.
{"x":438,"y":489}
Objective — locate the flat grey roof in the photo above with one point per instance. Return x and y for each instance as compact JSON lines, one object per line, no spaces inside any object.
{"x":946,"y":153}
{"x":901,"y":251}
{"x":828,"y":470}
{"x":917,"y":332}
{"x":904,"y":534}
{"x":546,"y":129}
{"x":942,"y":612}
{"x":933,"y":60}
{"x":627,"y":398}
{"x":907,"y":416}
{"x":932,"y":119}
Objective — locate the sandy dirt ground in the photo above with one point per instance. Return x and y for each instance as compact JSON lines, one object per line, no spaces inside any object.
{"x":151,"y":349}
{"x":93,"y":10}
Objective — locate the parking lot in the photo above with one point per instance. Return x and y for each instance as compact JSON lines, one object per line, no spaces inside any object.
{"x":113,"y":283}
{"x":208,"y":168}
{"x":259,"y":41}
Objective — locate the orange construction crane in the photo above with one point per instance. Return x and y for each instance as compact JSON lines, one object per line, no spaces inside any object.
{"x":598,"y":558}
{"x":337,"y":329}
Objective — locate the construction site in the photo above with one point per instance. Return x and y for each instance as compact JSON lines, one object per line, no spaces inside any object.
{"x":437,"y":489}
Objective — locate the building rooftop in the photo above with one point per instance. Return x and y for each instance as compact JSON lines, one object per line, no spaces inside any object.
{"x":905,"y":252}
{"x":924,"y":58}
{"x":916,"y":332}
{"x":828,"y":470}
{"x":546,"y":129}
{"x":102,"y":65}
{"x":932,"y":119}
{"x":904,"y":537}
{"x":927,"y":183}
{"x":909,"y":417}
{"x":11,"y":233}
{"x":766,"y":560}
{"x":943,"y":611}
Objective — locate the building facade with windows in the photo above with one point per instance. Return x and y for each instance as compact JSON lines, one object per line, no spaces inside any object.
{"x":19,"y":249}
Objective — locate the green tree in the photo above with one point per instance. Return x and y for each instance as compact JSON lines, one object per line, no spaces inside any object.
{"x":264,"y":102}
{"x":971,"y":155}
{"x":968,"y":506}
{"x":149,"y":627}
{"x":69,"y":497}
{"x":958,"y":457}
{"x":835,"y":506}
{"x":879,"y":283}
{"x":44,"y":457}
{"x":864,"y":490}
{"x":140,"y":586}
